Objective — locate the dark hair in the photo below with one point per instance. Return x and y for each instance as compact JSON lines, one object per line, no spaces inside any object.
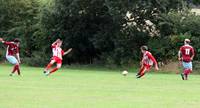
{"x":16,"y":40}
{"x":144,"y":47}
{"x":188,"y":42}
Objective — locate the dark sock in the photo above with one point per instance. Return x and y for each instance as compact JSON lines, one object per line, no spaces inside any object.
{"x":182,"y":76}
{"x":54,"y":69}
{"x":18,"y":69}
{"x":186,"y":76}
{"x":14,"y":69}
{"x":186,"y":73}
{"x":142,"y":74}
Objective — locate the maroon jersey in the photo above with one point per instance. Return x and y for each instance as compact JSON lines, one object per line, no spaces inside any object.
{"x":187,"y":51}
{"x":12,"y":48}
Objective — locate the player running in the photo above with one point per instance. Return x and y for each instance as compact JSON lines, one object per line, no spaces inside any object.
{"x":12,"y":54}
{"x":186,"y":55}
{"x":57,"y":57}
{"x":147,"y":62}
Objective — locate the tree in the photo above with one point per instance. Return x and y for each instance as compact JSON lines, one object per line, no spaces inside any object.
{"x":101,"y":28}
{"x":108,"y":31}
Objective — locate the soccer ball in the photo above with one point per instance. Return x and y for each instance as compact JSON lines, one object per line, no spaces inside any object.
{"x":125,"y":72}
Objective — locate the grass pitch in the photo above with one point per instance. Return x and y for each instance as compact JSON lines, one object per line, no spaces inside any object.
{"x":85,"y":88}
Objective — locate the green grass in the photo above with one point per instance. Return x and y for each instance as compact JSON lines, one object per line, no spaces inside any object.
{"x":80,"y":88}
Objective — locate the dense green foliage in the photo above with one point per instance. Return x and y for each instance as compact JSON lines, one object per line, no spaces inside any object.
{"x":99,"y":31}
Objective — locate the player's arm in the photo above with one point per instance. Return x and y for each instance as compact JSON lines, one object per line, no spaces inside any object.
{"x":180,"y":57}
{"x":54,"y":43}
{"x":154,"y":60}
{"x":68,"y":51}
{"x":179,"y":54}
{"x":17,"y":54}
{"x":18,"y":58}
{"x":1,"y":39}
{"x":193,"y":54}
{"x":5,"y":42}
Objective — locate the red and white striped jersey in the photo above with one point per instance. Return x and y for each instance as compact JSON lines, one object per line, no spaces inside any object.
{"x":148,"y":59}
{"x":57,"y":51}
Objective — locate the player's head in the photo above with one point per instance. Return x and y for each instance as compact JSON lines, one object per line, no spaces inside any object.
{"x":187,"y":41}
{"x":59,"y":44}
{"x":144,"y":48}
{"x":17,"y":41}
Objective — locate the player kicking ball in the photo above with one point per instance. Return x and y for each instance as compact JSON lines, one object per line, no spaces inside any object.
{"x":147,"y":62}
{"x":12,"y":54}
{"x":186,"y":55}
{"x":57,"y":57}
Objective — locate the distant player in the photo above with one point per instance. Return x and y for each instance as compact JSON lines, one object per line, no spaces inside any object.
{"x":186,"y":55}
{"x":12,"y":54}
{"x":57,"y":57}
{"x":147,"y":62}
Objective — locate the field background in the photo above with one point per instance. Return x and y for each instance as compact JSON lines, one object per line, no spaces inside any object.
{"x":96,"y":88}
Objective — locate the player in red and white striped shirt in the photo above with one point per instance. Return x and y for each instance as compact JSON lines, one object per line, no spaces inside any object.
{"x":57,"y":56}
{"x":147,"y":62}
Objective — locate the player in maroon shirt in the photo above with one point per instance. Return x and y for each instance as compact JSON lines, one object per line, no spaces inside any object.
{"x":147,"y":62}
{"x":12,"y":54}
{"x":186,"y":55}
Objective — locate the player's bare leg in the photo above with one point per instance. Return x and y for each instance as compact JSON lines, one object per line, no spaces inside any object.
{"x":141,"y":72}
{"x":46,"y":70}
{"x":56,"y":68}
{"x":13,"y":71}
{"x":182,"y":76}
{"x":15,"y":68}
{"x":141,"y":68}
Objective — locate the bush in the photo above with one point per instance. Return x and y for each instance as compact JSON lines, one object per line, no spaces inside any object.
{"x":196,"y":66}
{"x":38,"y":59}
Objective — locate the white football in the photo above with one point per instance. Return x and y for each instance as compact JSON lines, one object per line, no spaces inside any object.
{"x":124,"y":72}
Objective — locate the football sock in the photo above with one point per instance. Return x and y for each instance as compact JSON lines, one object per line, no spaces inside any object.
{"x":48,"y":66}
{"x":187,"y":72}
{"x":14,"y":68}
{"x":182,"y":76}
{"x":141,"y":72}
{"x":54,"y":69}
{"x":18,"y":69}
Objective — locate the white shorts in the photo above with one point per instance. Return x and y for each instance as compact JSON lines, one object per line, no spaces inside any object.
{"x":187,"y":65}
{"x":12,"y":59}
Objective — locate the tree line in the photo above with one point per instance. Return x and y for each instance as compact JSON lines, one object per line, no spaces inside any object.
{"x":99,"y":31}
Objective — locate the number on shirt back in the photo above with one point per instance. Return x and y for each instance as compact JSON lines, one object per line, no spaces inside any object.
{"x":187,"y":51}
